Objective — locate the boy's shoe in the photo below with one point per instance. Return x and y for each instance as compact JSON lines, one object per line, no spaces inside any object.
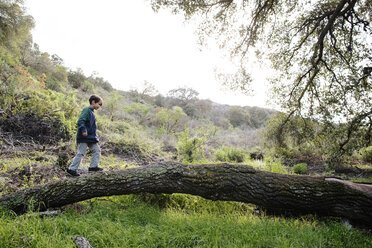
{"x":95,"y":169}
{"x":72,"y":173}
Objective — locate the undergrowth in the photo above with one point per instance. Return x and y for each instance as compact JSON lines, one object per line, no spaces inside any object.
{"x":131,"y":221}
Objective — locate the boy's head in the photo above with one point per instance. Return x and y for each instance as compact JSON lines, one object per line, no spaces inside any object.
{"x":95,"y":101}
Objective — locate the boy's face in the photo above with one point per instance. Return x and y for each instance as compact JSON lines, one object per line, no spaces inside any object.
{"x":96,"y":105}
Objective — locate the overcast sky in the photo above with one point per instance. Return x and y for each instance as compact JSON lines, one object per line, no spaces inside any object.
{"x":126,"y":43}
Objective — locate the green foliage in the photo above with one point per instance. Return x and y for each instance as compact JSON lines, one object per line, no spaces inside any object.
{"x":112,"y":104}
{"x":269,"y":164}
{"x":300,"y":137}
{"x":61,"y":106}
{"x":15,"y":84}
{"x":58,"y":80}
{"x":15,"y":28}
{"x":129,"y":221}
{"x":227,"y":154}
{"x":100,"y":82}
{"x":191,"y":144}
{"x":25,"y":97}
{"x":168,"y":120}
{"x":275,"y":166}
{"x":258,"y":116}
{"x":363,"y":180}
{"x":366,"y":154}
{"x":112,"y":162}
{"x":190,"y":148}
{"x":221,"y":154}
{"x":76,"y":78}
{"x":42,"y":65}
{"x":86,"y":86}
{"x":300,"y":168}
{"x":238,"y":116}
{"x":193,"y":203}
{"x":139,"y":110}
{"x":118,"y":127}
{"x":5,"y":184}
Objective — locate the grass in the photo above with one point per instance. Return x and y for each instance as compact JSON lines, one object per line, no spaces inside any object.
{"x":362,"y":180}
{"x":176,"y":220}
{"x":269,"y":165}
{"x":129,"y":221}
{"x":21,"y":159}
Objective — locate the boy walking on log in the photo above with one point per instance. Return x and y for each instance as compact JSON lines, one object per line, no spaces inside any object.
{"x":87,"y":137}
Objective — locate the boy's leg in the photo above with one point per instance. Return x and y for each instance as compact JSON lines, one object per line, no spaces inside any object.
{"x":96,"y":154}
{"x":81,"y":153}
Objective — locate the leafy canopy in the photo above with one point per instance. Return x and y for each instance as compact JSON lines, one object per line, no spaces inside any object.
{"x":320,"y":51}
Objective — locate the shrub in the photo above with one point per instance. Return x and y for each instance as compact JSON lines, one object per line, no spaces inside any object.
{"x":191,"y":147}
{"x":274,"y":165}
{"x":221,"y":155}
{"x":86,"y":86}
{"x":300,"y":168}
{"x":236,"y":155}
{"x":366,"y":154}
{"x":227,"y":154}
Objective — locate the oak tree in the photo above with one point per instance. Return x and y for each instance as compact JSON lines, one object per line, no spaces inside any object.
{"x":320,"y":51}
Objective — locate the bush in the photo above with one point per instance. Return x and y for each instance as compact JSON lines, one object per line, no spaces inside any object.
{"x":226,"y":154}
{"x":366,"y":154}
{"x":86,"y":86}
{"x":300,"y":168}
{"x":190,"y":147}
{"x":221,"y":155}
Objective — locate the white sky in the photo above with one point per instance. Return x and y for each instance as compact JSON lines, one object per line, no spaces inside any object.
{"x":127,"y":43}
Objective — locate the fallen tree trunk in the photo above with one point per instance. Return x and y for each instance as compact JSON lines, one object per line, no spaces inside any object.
{"x":276,"y":192}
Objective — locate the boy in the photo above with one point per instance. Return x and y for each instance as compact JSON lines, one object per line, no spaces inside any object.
{"x":87,"y":137}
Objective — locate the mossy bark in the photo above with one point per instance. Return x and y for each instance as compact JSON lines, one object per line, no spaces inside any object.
{"x":276,"y":192}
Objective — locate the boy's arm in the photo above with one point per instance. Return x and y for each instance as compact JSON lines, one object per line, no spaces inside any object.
{"x":82,"y":119}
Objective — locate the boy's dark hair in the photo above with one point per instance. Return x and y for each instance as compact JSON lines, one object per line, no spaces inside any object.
{"x":94,"y":98}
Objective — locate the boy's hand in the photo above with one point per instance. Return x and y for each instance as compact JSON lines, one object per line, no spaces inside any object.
{"x":85,"y":134}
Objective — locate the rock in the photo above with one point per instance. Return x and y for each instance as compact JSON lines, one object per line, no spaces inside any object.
{"x":81,"y":242}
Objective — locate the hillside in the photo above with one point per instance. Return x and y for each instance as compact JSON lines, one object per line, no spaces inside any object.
{"x":42,"y":99}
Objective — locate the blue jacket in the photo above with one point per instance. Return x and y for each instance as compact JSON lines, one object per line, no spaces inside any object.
{"x":87,"y":123}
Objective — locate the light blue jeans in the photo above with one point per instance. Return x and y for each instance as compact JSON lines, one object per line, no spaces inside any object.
{"x":82,"y":149}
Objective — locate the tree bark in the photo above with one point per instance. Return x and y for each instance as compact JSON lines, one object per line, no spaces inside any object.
{"x":293,"y":194}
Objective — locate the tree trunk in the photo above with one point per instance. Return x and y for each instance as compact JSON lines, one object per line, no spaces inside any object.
{"x":276,"y":192}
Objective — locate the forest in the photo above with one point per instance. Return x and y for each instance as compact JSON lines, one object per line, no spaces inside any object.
{"x":181,"y":171}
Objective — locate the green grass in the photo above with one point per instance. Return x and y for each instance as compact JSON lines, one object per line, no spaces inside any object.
{"x":167,"y":220}
{"x":362,"y":180}
{"x":21,"y":159}
{"x":269,"y":165}
{"x":128,"y":221}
